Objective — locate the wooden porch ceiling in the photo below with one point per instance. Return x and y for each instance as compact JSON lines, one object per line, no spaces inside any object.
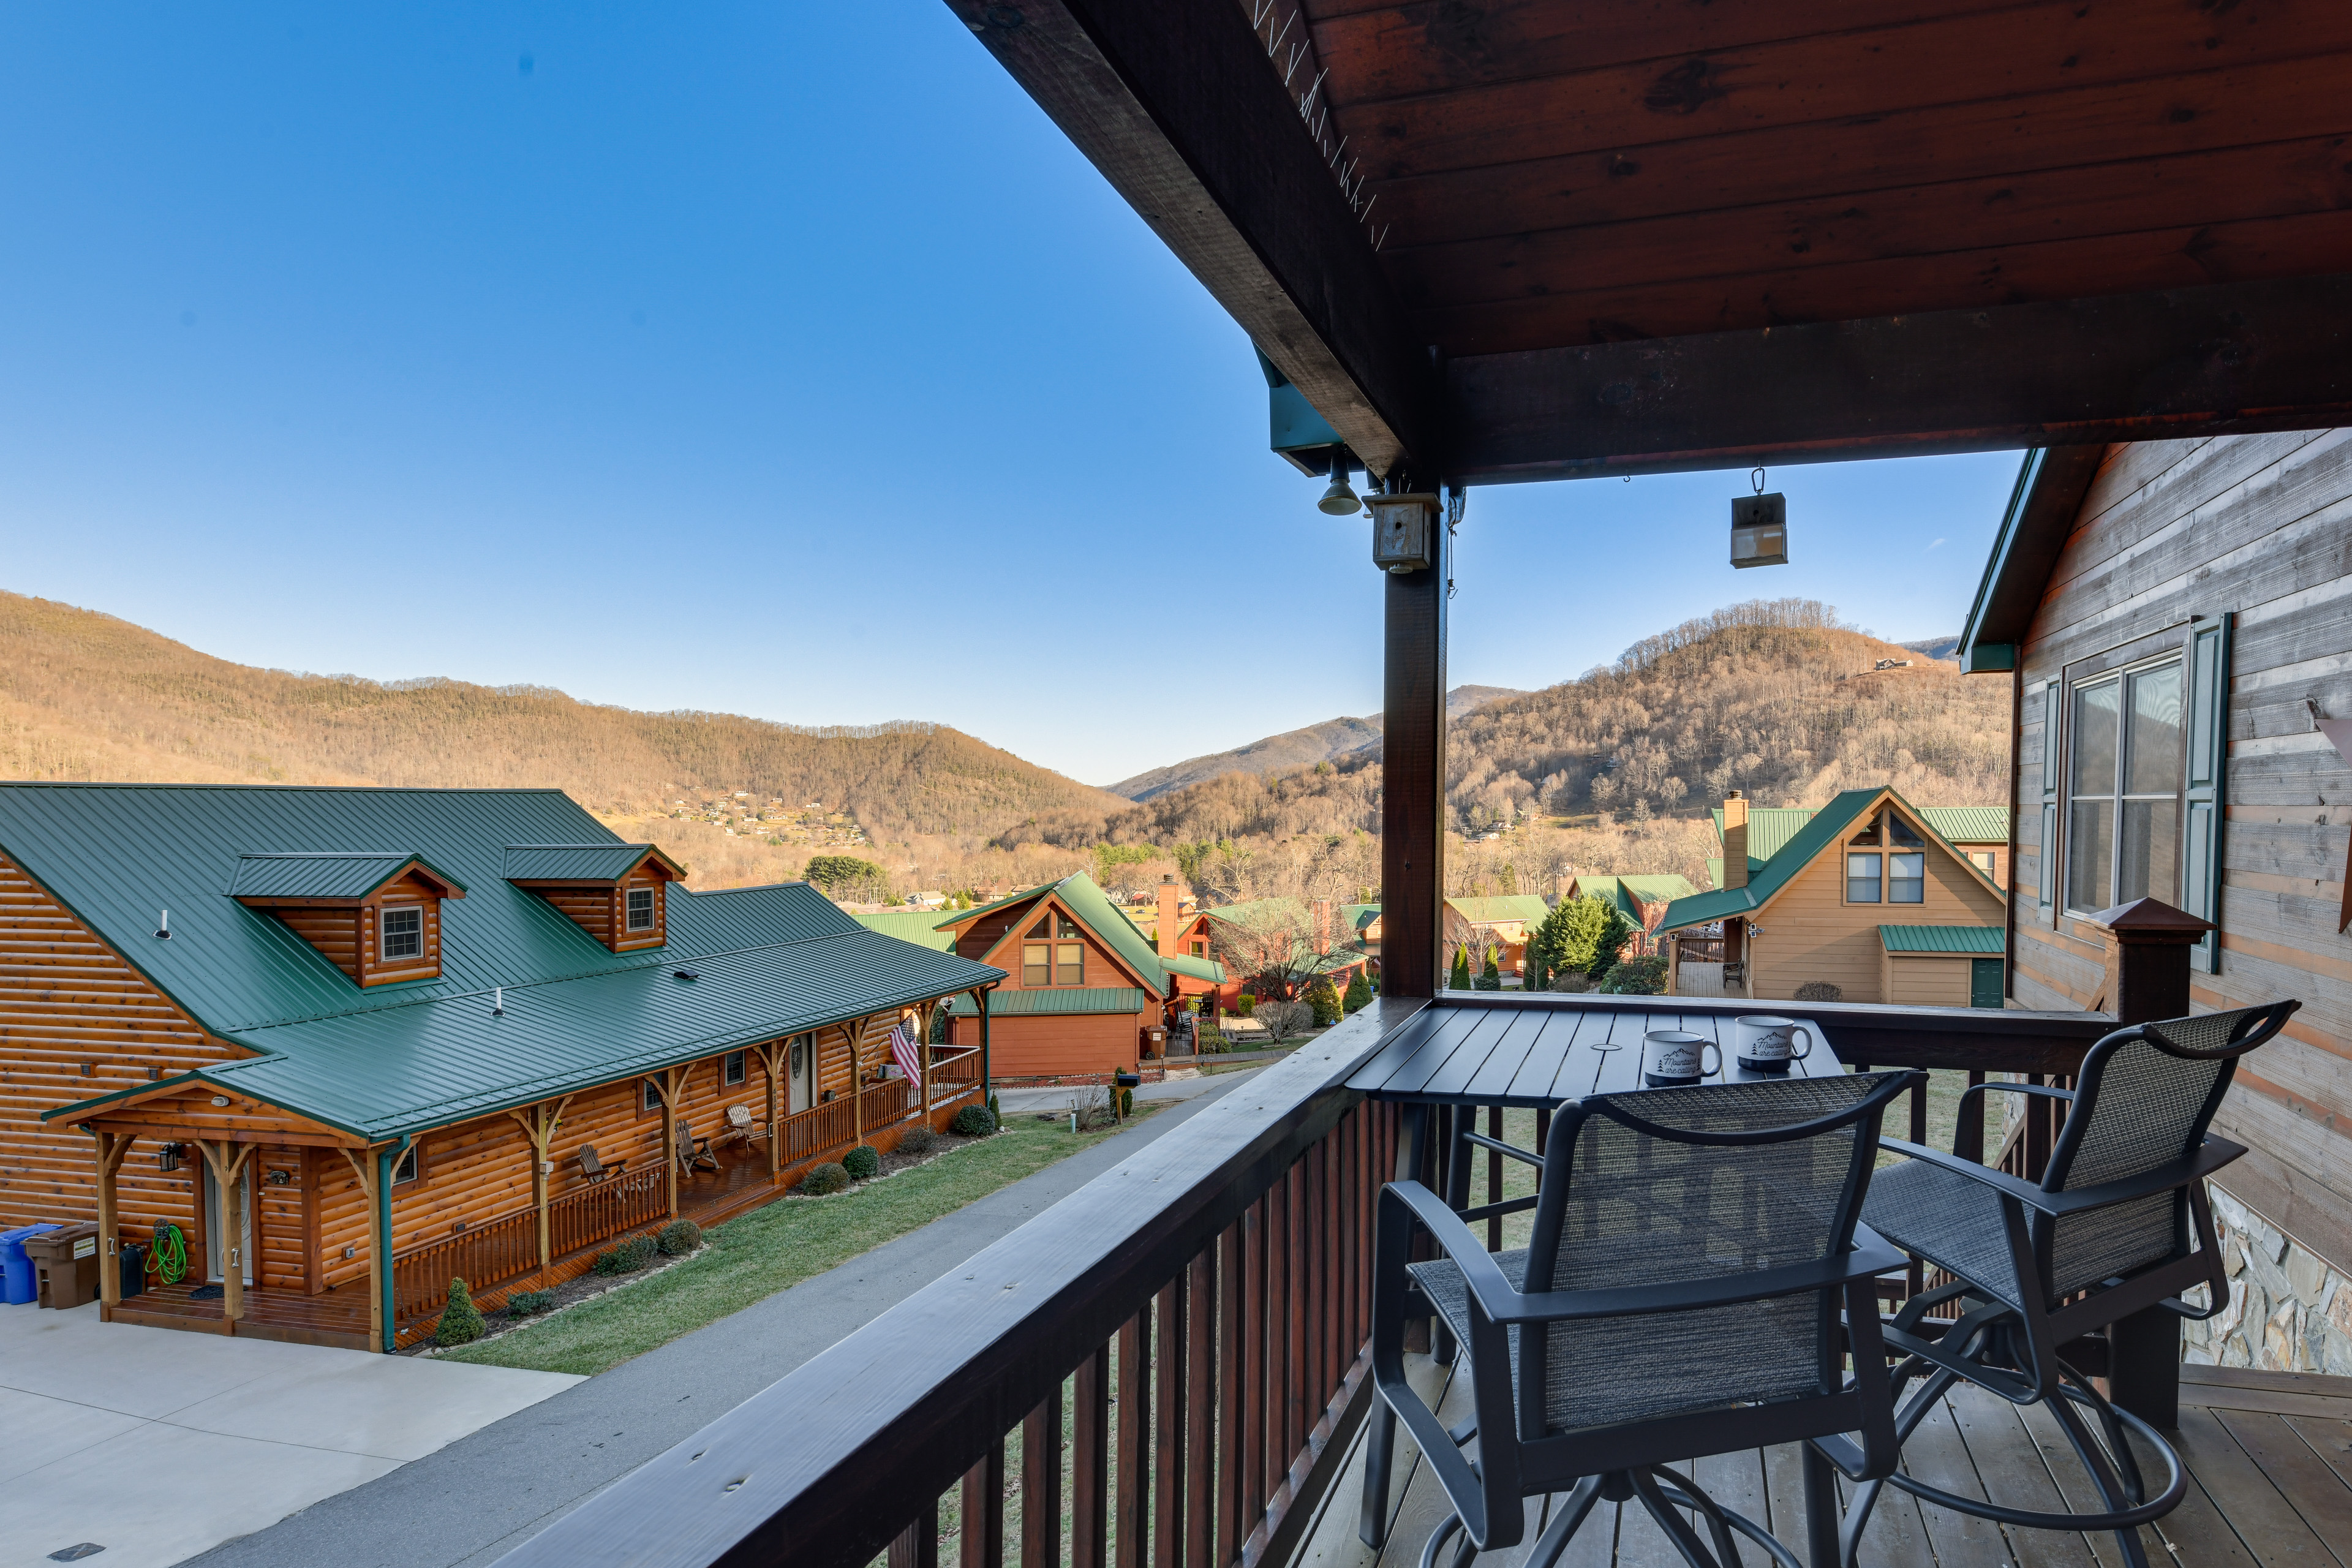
{"x":1626,"y":234}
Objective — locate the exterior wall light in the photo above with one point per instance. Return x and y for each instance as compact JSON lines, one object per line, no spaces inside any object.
{"x":1338,"y":500}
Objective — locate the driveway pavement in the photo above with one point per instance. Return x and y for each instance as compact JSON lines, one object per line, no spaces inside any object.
{"x":156,"y":1444}
{"x":476,"y":1499}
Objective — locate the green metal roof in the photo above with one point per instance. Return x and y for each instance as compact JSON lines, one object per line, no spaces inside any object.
{"x":1095,"y":912}
{"x":1984,"y":940}
{"x":1969,"y":824}
{"x":1770,"y":826}
{"x":920,"y":927}
{"x":1627,"y":894}
{"x":772,"y":960}
{"x":1073,"y":1001}
{"x":1527,"y":907}
{"x":1207,"y":969}
{"x":573,"y":862}
{"x":1816,"y":833}
{"x":334,"y":875}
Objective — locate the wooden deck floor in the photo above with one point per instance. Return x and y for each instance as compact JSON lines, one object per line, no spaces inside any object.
{"x":2270,"y":1455}
{"x":337,"y":1318}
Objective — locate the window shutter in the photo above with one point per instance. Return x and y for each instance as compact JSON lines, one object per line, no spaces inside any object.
{"x":2201,"y":798}
{"x":2045,"y":878}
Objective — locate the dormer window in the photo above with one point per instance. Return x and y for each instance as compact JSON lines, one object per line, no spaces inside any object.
{"x":374,"y":916}
{"x":641,"y":908}
{"x":615,"y":892}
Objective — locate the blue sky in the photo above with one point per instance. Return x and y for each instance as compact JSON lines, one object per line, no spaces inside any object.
{"x":774,"y":358}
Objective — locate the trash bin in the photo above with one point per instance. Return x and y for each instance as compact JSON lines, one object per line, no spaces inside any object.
{"x":67,"y":1262}
{"x":20,"y":1289}
{"x":135,"y":1269}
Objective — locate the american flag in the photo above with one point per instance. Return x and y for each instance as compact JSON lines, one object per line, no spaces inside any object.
{"x":906,"y":1052}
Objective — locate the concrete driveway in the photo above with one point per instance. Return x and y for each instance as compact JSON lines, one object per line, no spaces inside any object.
{"x":155,"y":1444}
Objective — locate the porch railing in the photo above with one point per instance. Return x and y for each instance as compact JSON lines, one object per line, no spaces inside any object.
{"x":955,"y":1071}
{"x":483,"y":1256}
{"x":630,"y":1201}
{"x":1196,"y":1315}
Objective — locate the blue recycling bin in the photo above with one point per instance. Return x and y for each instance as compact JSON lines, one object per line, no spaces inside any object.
{"x":23,"y":1289}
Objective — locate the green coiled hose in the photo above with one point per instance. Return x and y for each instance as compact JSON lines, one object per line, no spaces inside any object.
{"x":167,"y":1260}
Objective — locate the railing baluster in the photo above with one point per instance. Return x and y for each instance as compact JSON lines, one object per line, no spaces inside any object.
{"x":981,"y":1543}
{"x":1255,"y":1363}
{"x":918,"y":1545}
{"x":1041,"y":1484}
{"x":1169,"y":1444}
{"x":1231,"y":1331}
{"x":1200,"y":1412}
{"x":1300,"y":1359}
{"x":1090,"y":1462}
{"x":1134,"y":1459}
{"x":1968,"y":1134}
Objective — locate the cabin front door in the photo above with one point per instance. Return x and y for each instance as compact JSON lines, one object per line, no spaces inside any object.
{"x":801,"y":1082}
{"x":215,"y":1229}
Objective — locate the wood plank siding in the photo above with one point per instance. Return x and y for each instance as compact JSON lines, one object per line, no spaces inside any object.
{"x":1811,"y":933}
{"x":1049,"y":1044}
{"x":2253,"y":528}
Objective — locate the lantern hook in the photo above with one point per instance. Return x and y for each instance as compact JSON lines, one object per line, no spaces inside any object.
{"x":1757,"y":478}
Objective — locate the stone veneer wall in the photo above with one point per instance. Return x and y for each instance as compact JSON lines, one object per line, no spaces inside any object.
{"x":2288,"y":1312}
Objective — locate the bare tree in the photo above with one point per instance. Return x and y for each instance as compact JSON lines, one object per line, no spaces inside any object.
{"x":1284,"y":1019}
{"x":1275,"y":944}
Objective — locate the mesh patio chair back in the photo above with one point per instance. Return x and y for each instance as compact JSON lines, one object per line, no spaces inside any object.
{"x":1669,"y":1185}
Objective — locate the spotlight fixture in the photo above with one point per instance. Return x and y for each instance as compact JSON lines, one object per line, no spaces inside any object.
{"x":1338,"y":500}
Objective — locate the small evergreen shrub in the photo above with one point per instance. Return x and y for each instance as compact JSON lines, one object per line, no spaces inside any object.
{"x":1359,"y":992}
{"x":1460,"y":979}
{"x":1636,"y":977}
{"x":1819,"y":991}
{"x":1127,"y":1102}
{"x":626,"y":1259}
{"x":973,"y":1121}
{"x":678,"y":1237}
{"x":530,"y":1303}
{"x":1246,"y":1005}
{"x":827,"y":1178}
{"x":461,"y":1321}
{"x":862,"y":1162}
{"x":917,"y":1140}
{"x":1324,"y":998}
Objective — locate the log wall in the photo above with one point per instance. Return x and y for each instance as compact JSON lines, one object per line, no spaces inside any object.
{"x":2254,"y":525}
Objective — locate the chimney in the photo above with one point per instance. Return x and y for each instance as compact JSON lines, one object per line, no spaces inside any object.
{"x":1735,"y":840}
{"x":1167,"y":935}
{"x":1321,"y":909}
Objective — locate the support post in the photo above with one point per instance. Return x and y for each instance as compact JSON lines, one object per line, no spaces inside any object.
{"x":539,"y":1124}
{"x":358,"y":1164}
{"x":1413,"y":779}
{"x":2149,"y":946}
{"x":673,"y":1082}
{"x":856,"y":1082}
{"x":111,"y":1148}
{"x":775,"y":1055}
{"x":923,"y":1056}
{"x":229,"y":1248}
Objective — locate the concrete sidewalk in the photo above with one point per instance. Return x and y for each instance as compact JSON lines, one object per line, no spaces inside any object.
{"x":155,"y":1444}
{"x":476,"y":1499}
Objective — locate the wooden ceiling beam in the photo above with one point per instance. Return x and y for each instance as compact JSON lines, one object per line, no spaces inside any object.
{"x":1176,"y":102}
{"x":2187,"y":362}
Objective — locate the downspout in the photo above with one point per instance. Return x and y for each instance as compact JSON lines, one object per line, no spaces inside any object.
{"x":987,"y":1094}
{"x":385,"y":1159}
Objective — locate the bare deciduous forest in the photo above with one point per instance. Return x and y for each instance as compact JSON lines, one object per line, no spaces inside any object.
{"x":1611,"y":772}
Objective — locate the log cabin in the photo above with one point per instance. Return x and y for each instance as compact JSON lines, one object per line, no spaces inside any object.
{"x":1865,"y":895}
{"x":2175,"y":620}
{"x":1087,"y":993}
{"x":352,"y":1044}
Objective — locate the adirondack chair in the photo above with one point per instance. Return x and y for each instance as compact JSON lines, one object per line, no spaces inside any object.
{"x":595,"y":1169}
{"x":694,"y":1153}
{"x":742,"y":1126}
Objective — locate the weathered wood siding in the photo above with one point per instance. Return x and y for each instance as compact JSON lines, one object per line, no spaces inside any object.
{"x":77,"y":1021}
{"x":2259,"y":526}
{"x":1811,"y":933}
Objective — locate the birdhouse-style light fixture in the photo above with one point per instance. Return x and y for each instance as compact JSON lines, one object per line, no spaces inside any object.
{"x":1404,"y":535}
{"x":1759,"y":527}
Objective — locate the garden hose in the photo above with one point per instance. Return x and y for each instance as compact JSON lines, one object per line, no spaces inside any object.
{"x":167,"y":1260}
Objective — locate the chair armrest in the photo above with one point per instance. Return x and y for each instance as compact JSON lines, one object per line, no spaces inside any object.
{"x":1484,"y":1276}
{"x":2211,"y":1156}
{"x":2023,"y":1190}
{"x":2046,"y":1092}
{"x":1501,"y":1148}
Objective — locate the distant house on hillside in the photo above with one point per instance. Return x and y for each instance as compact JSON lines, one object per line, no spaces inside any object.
{"x":1087,"y":993}
{"x":1865,"y":895}
{"x":1640,"y":899}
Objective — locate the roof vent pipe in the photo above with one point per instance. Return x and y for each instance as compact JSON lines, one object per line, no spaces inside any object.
{"x":498,"y":1001}
{"x":164,"y":926}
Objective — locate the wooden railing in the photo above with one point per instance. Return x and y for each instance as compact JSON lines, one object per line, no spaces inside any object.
{"x":483,"y":1256}
{"x":629,"y":1201}
{"x":1194,"y":1319}
{"x":955,"y":1070}
{"x":1698,"y":949}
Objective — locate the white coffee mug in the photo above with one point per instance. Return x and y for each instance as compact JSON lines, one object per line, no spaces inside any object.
{"x":1674,"y":1054}
{"x":1769,"y":1039}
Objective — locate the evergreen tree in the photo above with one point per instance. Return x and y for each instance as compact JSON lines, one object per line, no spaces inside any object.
{"x":461,"y":1321}
{"x":1324,"y":998}
{"x":1359,"y":992}
{"x":1460,"y":979}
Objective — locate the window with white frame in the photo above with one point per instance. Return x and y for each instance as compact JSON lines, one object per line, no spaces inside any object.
{"x":406,"y":1168}
{"x":641,"y":908}
{"x":2123,"y":778}
{"x":732,"y":1070}
{"x":401,"y":933}
{"x":1887,"y":863}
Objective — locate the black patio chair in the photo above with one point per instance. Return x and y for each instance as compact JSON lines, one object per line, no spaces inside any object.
{"x":2117,"y":1225}
{"x":1696,"y":1254}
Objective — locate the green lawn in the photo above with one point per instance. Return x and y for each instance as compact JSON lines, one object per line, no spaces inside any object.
{"x":761,"y":1253}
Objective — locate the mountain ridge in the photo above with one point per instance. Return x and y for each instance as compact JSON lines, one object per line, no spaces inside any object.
{"x":1329,"y":741}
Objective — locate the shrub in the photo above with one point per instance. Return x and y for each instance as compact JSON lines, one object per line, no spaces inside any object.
{"x":862,"y":1162}
{"x":678,"y":1237}
{"x":1323,"y":997}
{"x":1127,"y":1102}
{"x":627,"y":1258}
{"x":917,"y":1140}
{"x":1460,"y":979}
{"x":1245,"y":1005}
{"x":1636,"y":977}
{"x":827,"y":1178}
{"x":529,"y":1303}
{"x":1284,"y":1019}
{"x":1819,"y":991}
{"x":461,"y":1321}
{"x":1532,"y":977}
{"x":973,"y":1121}
{"x":1359,"y":992}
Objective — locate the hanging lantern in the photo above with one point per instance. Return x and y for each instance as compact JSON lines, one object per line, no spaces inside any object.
{"x":1759,"y":527}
